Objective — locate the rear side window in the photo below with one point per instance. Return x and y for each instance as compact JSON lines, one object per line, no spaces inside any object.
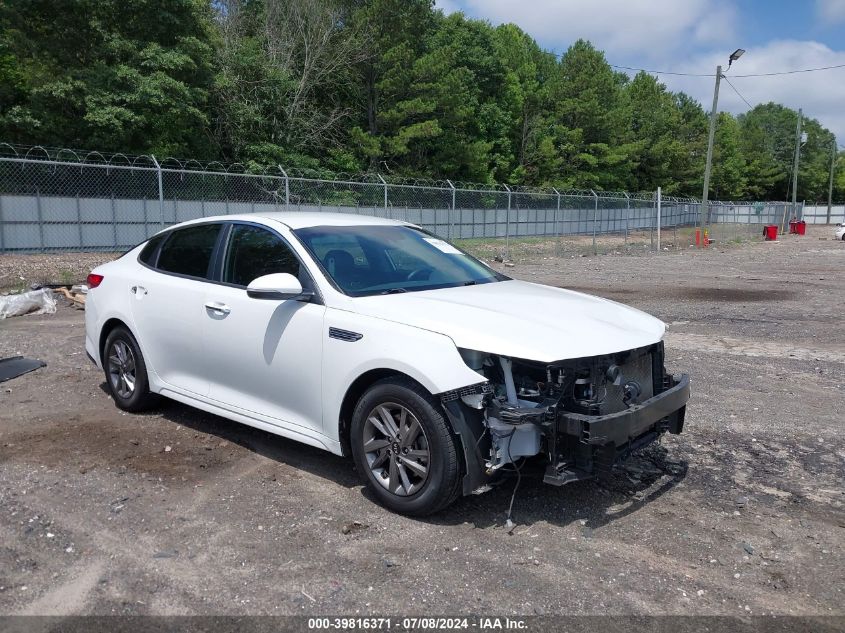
{"x":148,"y":253}
{"x":188,"y":251}
{"x":254,"y":252}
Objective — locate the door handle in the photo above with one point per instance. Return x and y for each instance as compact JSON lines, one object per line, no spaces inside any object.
{"x":218,"y":307}
{"x":138,"y":290}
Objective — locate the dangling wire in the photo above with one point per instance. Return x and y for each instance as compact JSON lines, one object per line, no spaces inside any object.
{"x":508,"y":522}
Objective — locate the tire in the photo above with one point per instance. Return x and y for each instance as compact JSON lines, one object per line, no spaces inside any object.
{"x":397,"y":481}
{"x":126,"y":372}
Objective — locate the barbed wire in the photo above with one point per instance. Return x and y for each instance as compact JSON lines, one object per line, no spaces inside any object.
{"x":33,"y":154}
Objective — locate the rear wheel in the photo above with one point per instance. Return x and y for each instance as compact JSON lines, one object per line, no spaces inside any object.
{"x":126,"y":372}
{"x":403,"y":448}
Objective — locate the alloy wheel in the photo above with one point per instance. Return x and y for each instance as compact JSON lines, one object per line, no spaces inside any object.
{"x":121,"y":366}
{"x":396,"y":449}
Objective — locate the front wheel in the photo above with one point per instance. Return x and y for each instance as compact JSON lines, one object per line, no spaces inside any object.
{"x":403,"y":448}
{"x":126,"y":371}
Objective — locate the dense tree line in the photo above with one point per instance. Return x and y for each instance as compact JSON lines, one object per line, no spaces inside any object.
{"x":387,"y":85}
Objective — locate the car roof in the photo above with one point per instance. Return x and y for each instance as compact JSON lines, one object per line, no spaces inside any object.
{"x":304,"y":219}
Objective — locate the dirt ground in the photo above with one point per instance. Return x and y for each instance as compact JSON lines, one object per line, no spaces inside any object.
{"x":181,"y":512}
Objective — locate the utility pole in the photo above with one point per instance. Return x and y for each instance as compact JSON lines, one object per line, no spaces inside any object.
{"x":795,"y":163}
{"x":830,"y":186}
{"x":705,"y":208}
{"x":710,"y":137}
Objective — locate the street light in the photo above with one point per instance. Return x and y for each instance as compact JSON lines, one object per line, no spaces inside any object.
{"x":735,"y":56}
{"x":711,"y":135}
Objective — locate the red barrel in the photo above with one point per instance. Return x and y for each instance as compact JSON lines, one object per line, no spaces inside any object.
{"x":770,"y":232}
{"x":792,"y":228}
{"x":801,"y":227}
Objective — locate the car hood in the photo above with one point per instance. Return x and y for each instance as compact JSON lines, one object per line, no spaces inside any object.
{"x":520,"y":319}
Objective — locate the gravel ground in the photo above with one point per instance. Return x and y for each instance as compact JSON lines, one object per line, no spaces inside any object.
{"x":181,"y":512}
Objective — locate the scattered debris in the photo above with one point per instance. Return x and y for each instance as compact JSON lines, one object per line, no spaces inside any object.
{"x":15,"y":366}
{"x":353,"y":527}
{"x":77,"y":299}
{"x":34,"y":302}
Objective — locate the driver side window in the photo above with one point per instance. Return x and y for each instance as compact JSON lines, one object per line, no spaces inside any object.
{"x":254,"y":252}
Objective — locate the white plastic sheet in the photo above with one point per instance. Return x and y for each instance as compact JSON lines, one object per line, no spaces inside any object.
{"x":34,"y":302}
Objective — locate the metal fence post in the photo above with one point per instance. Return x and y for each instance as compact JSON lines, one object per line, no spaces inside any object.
{"x":627,"y":215}
{"x":113,"y":222}
{"x":558,"y":227}
{"x":40,"y":218}
{"x":453,"y":210}
{"x":384,"y":182}
{"x":508,"y":223}
{"x":595,"y":217}
{"x":287,"y":187}
{"x":659,"y":201}
{"x":160,"y":192}
{"x":2,"y":225}
{"x":78,"y":222}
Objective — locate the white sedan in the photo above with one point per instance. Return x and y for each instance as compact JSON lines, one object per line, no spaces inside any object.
{"x":840,"y":231}
{"x":373,"y":338}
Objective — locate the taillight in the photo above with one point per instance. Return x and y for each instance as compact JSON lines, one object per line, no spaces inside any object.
{"x":94,"y":280}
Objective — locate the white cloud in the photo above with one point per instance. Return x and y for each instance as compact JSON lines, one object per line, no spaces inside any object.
{"x":821,"y":94}
{"x":623,"y":28}
{"x":831,"y":11}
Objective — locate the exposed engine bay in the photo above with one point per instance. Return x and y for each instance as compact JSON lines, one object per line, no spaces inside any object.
{"x":582,"y":414}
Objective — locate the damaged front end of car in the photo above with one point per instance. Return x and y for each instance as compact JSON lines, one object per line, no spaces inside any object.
{"x":582,"y":415}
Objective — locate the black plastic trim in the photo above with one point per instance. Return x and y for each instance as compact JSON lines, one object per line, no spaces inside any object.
{"x":625,"y":426}
{"x":469,"y":426}
{"x":344,"y":335}
{"x":214,"y":274}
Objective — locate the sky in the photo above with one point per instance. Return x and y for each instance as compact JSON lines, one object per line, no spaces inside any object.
{"x":693,"y":36}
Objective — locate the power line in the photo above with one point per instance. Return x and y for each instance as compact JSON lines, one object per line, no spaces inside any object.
{"x":739,"y":94}
{"x":663,"y":72}
{"x":784,"y":72}
{"x":792,"y":72}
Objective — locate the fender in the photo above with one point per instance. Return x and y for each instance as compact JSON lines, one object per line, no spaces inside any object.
{"x":369,"y":343}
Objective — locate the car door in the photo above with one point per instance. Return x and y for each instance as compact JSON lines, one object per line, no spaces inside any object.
{"x":263,"y":355}
{"x":167,"y":306}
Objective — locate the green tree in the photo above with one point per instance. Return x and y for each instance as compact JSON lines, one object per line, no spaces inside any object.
{"x":659,"y":152}
{"x":285,"y":89}
{"x":101,"y":73}
{"x":392,"y":85}
{"x":439,"y":112}
{"x":768,"y":133}
{"x":525,"y":100}
{"x":692,"y":134}
{"x":590,"y":121}
{"x":727,"y":180}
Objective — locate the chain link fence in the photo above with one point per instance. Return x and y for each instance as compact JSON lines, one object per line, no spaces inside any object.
{"x":61,"y":200}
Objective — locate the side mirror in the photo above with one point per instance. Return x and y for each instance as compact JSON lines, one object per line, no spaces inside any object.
{"x":278,"y":286}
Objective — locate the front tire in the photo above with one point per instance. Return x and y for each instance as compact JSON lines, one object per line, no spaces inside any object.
{"x":126,"y":372}
{"x":403,"y":448}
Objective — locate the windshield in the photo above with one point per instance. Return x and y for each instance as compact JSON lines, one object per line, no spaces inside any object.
{"x":383,"y":259}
